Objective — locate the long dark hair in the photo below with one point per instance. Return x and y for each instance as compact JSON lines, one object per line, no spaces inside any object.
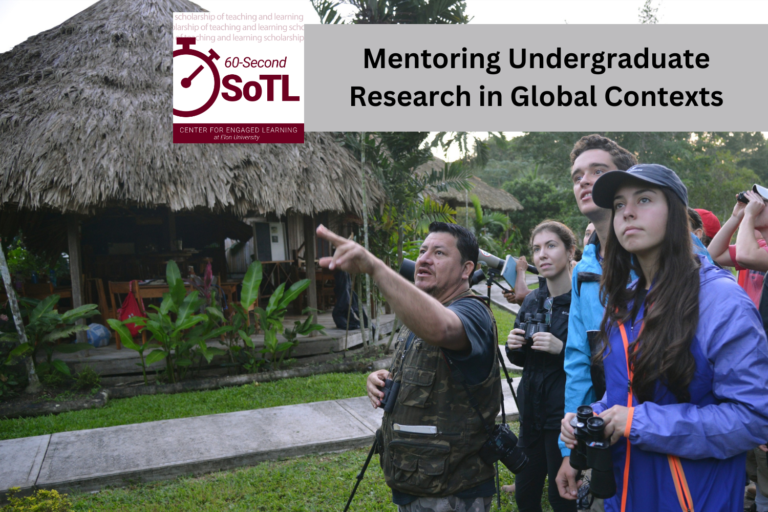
{"x":662,"y":351}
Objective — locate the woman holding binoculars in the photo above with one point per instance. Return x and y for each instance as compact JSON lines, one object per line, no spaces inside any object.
{"x":685,"y":356}
{"x":543,"y":316}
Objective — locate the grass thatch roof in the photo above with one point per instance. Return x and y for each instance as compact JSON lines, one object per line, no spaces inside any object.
{"x":86,"y":122}
{"x":490,"y":198}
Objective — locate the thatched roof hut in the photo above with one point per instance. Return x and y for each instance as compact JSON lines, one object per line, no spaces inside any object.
{"x":490,"y":198}
{"x":85,"y":123}
{"x":86,"y":129}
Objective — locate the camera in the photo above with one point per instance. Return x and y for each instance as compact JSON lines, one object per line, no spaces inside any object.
{"x":391,"y":389}
{"x":593,"y":451}
{"x":502,"y":446}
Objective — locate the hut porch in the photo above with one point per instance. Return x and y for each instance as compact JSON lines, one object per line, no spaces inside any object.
{"x":122,"y":366}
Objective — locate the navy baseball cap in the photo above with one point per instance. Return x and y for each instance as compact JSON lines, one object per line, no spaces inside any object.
{"x":605,"y":188}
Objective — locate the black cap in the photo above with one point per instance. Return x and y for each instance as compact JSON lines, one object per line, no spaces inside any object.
{"x":605,"y":188}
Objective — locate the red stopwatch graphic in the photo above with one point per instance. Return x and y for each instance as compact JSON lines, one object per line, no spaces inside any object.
{"x":197,"y":85}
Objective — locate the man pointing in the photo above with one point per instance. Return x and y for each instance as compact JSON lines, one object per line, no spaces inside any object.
{"x":431,"y":438}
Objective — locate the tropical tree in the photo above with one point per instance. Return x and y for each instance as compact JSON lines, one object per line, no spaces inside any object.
{"x":394,"y":158}
{"x":488,"y":226}
{"x":541,"y":200}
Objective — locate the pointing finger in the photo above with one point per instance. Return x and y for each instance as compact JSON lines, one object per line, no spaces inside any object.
{"x":329,"y":235}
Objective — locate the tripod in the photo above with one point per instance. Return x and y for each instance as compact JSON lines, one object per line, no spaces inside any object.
{"x":361,"y":474}
{"x":490,"y":281}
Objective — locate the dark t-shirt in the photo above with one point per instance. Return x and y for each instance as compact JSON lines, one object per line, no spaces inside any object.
{"x":476,"y":365}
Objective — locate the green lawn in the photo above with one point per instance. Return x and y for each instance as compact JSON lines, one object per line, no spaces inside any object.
{"x":505,"y":322}
{"x":311,"y":483}
{"x":142,"y":409}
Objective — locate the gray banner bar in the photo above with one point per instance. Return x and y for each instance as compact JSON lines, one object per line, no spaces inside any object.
{"x":721,"y":86}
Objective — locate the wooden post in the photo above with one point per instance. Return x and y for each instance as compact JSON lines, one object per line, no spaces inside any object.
{"x":73,"y":237}
{"x":255,"y":248}
{"x":309,"y":256}
{"x":368,"y":288}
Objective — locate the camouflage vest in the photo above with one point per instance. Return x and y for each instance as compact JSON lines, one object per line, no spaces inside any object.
{"x":447,"y":462}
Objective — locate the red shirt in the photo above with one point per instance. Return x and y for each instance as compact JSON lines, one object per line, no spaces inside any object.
{"x":750,"y":280}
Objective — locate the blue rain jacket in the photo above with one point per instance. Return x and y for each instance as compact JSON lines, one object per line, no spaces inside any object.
{"x":727,"y":414}
{"x":586,"y":315}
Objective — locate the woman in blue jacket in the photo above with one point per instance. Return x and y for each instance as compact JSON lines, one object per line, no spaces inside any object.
{"x":685,"y":358}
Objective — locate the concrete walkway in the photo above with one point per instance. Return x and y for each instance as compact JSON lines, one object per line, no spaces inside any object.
{"x":88,"y":460}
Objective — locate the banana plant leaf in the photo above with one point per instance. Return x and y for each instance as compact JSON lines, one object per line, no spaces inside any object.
{"x":64,"y":332}
{"x":188,"y":324}
{"x":175,"y":283}
{"x":156,"y":355}
{"x":186,"y":308}
{"x":247,"y":339}
{"x":274,"y":300}
{"x":293,"y":292}
{"x":125,"y":335}
{"x":45,"y":306}
{"x":80,"y":312}
{"x":20,"y":350}
{"x":166,"y":305}
{"x":251,"y":284}
{"x":216,"y":312}
{"x":61,"y":366}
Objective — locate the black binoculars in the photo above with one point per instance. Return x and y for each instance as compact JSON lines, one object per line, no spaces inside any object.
{"x":593,"y":451}
{"x":530,"y":323}
{"x":391,"y":388}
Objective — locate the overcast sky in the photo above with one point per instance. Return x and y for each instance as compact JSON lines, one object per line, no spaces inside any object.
{"x":21,"y":19}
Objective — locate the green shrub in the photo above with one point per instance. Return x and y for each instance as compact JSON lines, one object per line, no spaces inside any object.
{"x":53,"y":379}
{"x":41,"y":501}
{"x":13,"y":378}
{"x":87,"y":378}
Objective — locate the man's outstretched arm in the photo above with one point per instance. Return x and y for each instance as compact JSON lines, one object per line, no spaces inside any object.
{"x":421,"y":313}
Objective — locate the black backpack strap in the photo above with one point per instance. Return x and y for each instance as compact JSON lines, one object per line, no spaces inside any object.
{"x":586,"y":277}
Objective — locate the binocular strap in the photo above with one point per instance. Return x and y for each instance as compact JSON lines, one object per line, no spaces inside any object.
{"x":627,"y":429}
{"x":675,"y":466}
{"x":681,"y":484}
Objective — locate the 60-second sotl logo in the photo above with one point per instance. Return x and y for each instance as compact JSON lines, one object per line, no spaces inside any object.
{"x":197,"y":82}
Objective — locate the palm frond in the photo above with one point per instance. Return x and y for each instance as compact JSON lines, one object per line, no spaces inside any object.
{"x":327,"y":11}
{"x":454,"y":175}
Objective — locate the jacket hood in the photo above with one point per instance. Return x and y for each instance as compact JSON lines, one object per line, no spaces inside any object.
{"x":709,"y":272}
